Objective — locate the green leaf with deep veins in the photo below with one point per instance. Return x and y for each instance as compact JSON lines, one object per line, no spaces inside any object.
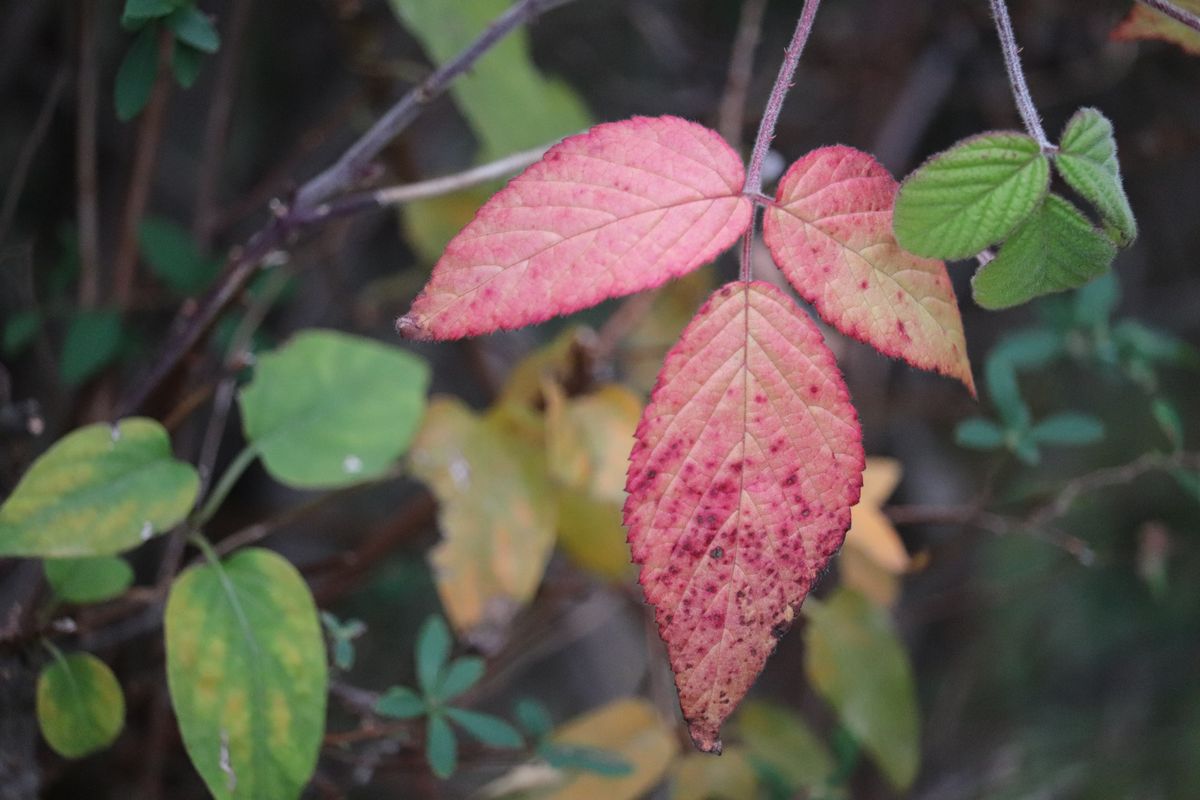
{"x":971,"y":196}
{"x":247,"y":676}
{"x":1087,"y":160}
{"x":1056,"y":249}
{"x":98,"y":491}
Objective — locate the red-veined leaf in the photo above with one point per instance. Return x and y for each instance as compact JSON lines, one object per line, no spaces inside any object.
{"x":831,"y":234}
{"x":745,"y":465}
{"x":624,"y":207}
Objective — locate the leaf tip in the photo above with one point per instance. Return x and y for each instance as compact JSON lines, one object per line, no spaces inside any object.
{"x":705,"y":737}
{"x":410,"y":328}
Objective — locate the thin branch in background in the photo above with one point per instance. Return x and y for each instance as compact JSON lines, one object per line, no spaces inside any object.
{"x":1016,"y":77}
{"x":1174,"y":12}
{"x":216,"y":127}
{"x":150,"y":131}
{"x":33,"y":143}
{"x":87,"y":202}
{"x":288,"y":223}
{"x":731,"y":116}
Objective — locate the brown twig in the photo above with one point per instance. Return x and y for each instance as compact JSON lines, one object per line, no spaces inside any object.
{"x":731,"y":116}
{"x":150,"y":131}
{"x":87,"y":201}
{"x":16,"y":181}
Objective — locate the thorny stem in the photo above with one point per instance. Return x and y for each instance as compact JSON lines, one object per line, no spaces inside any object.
{"x":1174,"y":12}
{"x":766,"y":128}
{"x":1016,"y":77}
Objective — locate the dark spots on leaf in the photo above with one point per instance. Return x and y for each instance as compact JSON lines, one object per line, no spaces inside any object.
{"x":726,"y":290}
{"x":651,"y":473}
{"x":779,"y":629}
{"x":717,"y":553}
{"x":760,"y":398}
{"x":812,"y":389}
{"x":791,"y":480}
{"x":902,"y":331}
{"x":862,"y":285}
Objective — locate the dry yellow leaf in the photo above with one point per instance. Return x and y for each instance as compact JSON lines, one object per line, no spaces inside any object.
{"x":874,"y":555}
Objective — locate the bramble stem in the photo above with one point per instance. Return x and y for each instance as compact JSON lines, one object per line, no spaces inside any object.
{"x":1174,"y":12}
{"x":228,"y":478}
{"x":766,"y":128}
{"x":1016,"y":77}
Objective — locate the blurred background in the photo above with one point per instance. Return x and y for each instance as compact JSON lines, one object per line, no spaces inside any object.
{"x":1035,"y":602}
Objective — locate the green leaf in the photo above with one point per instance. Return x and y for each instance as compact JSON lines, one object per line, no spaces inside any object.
{"x":1153,"y":345}
{"x":856,"y":662}
{"x":1056,"y":249}
{"x":461,"y":675}
{"x":1094,"y":303}
{"x":343,"y":654}
{"x":433,"y":650}
{"x":1169,"y":421}
{"x":1068,"y":428}
{"x":979,"y":434}
{"x":193,"y":28}
{"x":80,"y":707}
{"x":1189,"y":481}
{"x":138,"y":12}
{"x":246,"y":673}
{"x":1087,"y":160}
{"x":585,"y":759}
{"x":88,"y":580}
{"x":186,"y":63}
{"x":98,"y":491}
{"x":486,"y":729}
{"x":329,"y":409}
{"x":135,"y":76}
{"x":172,"y":255}
{"x":780,"y":743}
{"x":1025,"y":449}
{"x":400,"y":702}
{"x":20,"y":329}
{"x":1001,"y":379}
{"x":533,"y":717}
{"x":441,"y":749}
{"x":1029,"y":349}
{"x":971,"y":196}
{"x":92,"y":342}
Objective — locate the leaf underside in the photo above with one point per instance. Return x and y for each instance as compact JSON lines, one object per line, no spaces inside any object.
{"x":745,"y":466}
{"x":831,"y":234}
{"x":621,"y":208}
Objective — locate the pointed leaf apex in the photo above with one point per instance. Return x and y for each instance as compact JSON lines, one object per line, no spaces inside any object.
{"x":410,"y":328}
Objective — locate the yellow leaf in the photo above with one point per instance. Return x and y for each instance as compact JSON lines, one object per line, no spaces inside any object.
{"x":673,"y":305}
{"x":699,"y":776}
{"x":874,"y":554}
{"x":588,"y":439}
{"x":591,"y":534}
{"x":1146,"y":23}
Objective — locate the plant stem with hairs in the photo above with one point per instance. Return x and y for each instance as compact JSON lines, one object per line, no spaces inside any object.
{"x":1016,"y":77}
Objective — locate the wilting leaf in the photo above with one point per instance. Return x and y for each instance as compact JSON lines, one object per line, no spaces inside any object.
{"x":747,"y":461}
{"x":831,"y":234}
{"x":779,"y":742}
{"x":624,"y":207}
{"x":97,"y":491}
{"x":971,"y":196}
{"x":1054,"y":250}
{"x":88,"y":580}
{"x":496,"y":513}
{"x":1087,"y":160}
{"x":330,"y":409}
{"x":874,"y":555}
{"x":1146,"y":23}
{"x":697,"y":776}
{"x":855,"y":661}
{"x":80,"y":707}
{"x":246,"y":672}
{"x":630,"y":729}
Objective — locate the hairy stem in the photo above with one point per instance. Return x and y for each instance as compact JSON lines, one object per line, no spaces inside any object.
{"x":1016,"y":77}
{"x":1174,"y":12}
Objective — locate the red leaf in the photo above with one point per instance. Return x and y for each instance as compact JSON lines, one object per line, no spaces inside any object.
{"x":745,"y":465}
{"x":624,"y":207}
{"x":831,"y":234}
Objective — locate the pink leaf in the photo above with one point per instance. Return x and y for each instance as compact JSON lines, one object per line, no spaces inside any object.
{"x":744,"y":469}
{"x":624,"y":207}
{"x":831,"y":234}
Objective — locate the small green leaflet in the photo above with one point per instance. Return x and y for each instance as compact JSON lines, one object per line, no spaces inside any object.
{"x":971,"y":196}
{"x":780,"y":743}
{"x":1054,"y":250}
{"x":98,"y":491}
{"x":1068,"y":428}
{"x":135,"y":76}
{"x":328,"y":409}
{"x":247,"y":676}
{"x":172,"y":255}
{"x":193,"y":28}
{"x":1087,"y":161}
{"x":80,"y":707}
{"x":88,"y":580}
{"x":92,"y":342}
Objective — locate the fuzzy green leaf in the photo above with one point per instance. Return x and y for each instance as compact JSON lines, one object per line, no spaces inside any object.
{"x":486,"y":729}
{"x":1054,"y":250}
{"x":88,"y":580}
{"x":246,"y":673}
{"x":1087,"y":160}
{"x":98,"y":491}
{"x":970,"y":196}
{"x":80,"y":706}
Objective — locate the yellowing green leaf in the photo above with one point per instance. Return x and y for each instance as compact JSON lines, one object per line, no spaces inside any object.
{"x":497,"y":513}
{"x":247,"y":676}
{"x":779,"y":742}
{"x":588,"y":439}
{"x":88,"y":580}
{"x":1087,"y":160}
{"x":329,"y":409}
{"x":671,"y":307}
{"x":699,"y":776}
{"x":629,"y":728}
{"x":1146,"y":23}
{"x":856,"y":662}
{"x":97,"y":491}
{"x":565,"y":361}
{"x":80,"y":707}
{"x":430,"y":224}
{"x":591,"y":534}
{"x":873,"y":554}
{"x":971,"y":196}
{"x":1054,"y":250}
